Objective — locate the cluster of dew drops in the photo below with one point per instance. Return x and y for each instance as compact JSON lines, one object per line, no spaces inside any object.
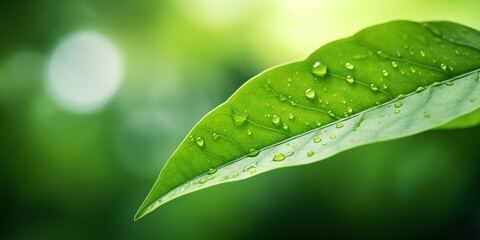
{"x":320,"y":69}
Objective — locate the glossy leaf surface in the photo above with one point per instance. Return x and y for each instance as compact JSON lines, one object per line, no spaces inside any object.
{"x":387,"y":81}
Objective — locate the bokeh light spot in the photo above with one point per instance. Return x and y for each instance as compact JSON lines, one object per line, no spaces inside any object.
{"x":84,"y":72}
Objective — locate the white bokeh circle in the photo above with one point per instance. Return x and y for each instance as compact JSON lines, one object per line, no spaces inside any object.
{"x":84,"y":72}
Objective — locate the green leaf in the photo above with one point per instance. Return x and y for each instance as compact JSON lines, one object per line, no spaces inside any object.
{"x":387,"y":81}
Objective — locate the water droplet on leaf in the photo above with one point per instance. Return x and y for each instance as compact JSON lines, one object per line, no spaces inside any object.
{"x":349,"y":66}
{"x":278,"y":157}
{"x":276,"y":120}
{"x":310,"y":93}
{"x":350,"y":79}
{"x":319,"y":69}
{"x":200,"y":142}
{"x":253,"y":152}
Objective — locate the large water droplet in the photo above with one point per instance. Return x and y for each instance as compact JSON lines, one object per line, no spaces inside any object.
{"x":443,"y":66}
{"x":253,"y":152}
{"x":340,"y":125}
{"x":309,"y":154}
{"x":350,"y":79}
{"x":412,"y":70}
{"x":278,"y":157}
{"x":249,"y":132}
{"x":310,"y":93}
{"x":385,"y":73}
{"x":215,"y":136}
{"x":317,"y":140}
{"x":332,"y":136}
{"x":419,"y":89}
{"x":200,"y":142}
{"x":398,"y":104}
{"x":319,"y":69}
{"x":291,"y":116}
{"x":396,"y":111}
{"x":349,"y":66}
{"x":285,"y":126}
{"x":276,"y":119}
{"x":394,"y":64}
{"x":349,"y":110}
{"x":212,"y":171}
{"x":373,"y":87}
{"x":449,"y":83}
{"x":476,"y":78}
{"x":239,"y":118}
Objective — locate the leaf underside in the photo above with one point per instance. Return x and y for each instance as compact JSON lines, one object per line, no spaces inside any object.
{"x":387,"y":81}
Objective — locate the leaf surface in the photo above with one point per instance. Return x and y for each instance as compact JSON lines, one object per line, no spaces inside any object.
{"x":387,"y":81}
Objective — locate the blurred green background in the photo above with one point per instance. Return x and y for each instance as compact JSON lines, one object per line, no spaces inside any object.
{"x":77,"y":166}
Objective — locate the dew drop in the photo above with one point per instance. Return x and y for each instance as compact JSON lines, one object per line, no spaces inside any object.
{"x":249,"y":132}
{"x":200,"y":142}
{"x":332,"y":136}
{"x":251,"y":166}
{"x":317,"y":140}
{"x":309,"y":154}
{"x":396,"y":111}
{"x":412,"y":70}
{"x":476,"y":78}
{"x":340,"y":125}
{"x":330,"y":113}
{"x":215,"y":136}
{"x":422,"y":53}
{"x":235,"y":174}
{"x":319,"y":69}
{"x":285,"y":126}
{"x":350,"y":79}
{"x":253,"y":152}
{"x":349,"y":66}
{"x":291,"y":116}
{"x":278,"y":157}
{"x":349,"y":110}
{"x":457,"y":52}
{"x":426,"y":115}
{"x":394,"y":65}
{"x":318,"y":123}
{"x":472,"y":99}
{"x":419,"y":89}
{"x":310,"y":93}
{"x":443,"y":67}
{"x":212,"y":171}
{"x":437,"y":84}
{"x":239,"y":118}
{"x":398,"y":104}
{"x":399,"y":54}
{"x":276,"y":120}
{"x":373,"y":87}
{"x":449,"y":83}
{"x":385,"y":73}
